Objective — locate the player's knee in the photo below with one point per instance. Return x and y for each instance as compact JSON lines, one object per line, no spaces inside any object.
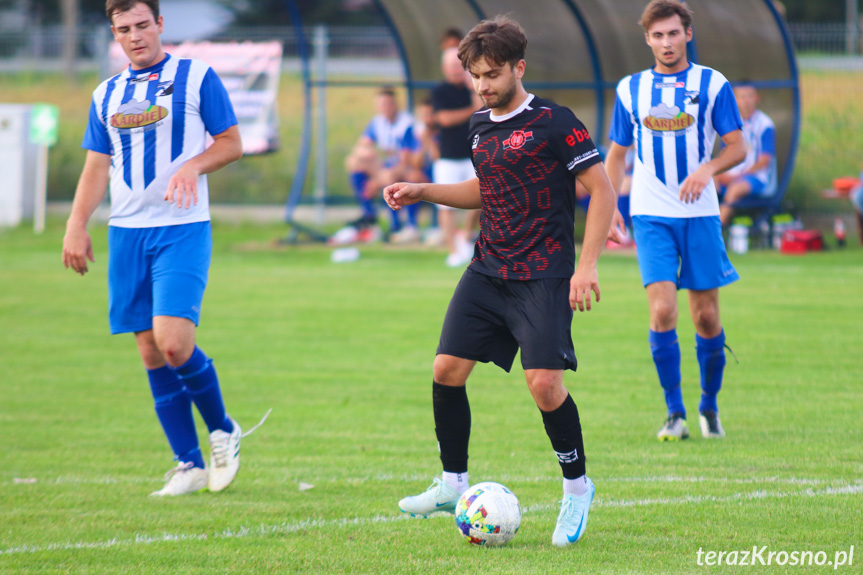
{"x":175,"y":352}
{"x":737,"y":191}
{"x":663,"y":314}
{"x":547,"y":390}
{"x":706,"y":319}
{"x":447,"y":370}
{"x":544,"y":385}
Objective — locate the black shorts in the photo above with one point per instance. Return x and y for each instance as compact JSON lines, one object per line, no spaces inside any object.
{"x":489,"y":319}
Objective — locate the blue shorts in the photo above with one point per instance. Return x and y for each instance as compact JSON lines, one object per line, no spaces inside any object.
{"x":156,"y":271}
{"x":687,"y":251}
{"x":756,"y":186}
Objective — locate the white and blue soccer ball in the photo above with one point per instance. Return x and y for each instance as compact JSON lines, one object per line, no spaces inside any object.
{"x":488,"y":514}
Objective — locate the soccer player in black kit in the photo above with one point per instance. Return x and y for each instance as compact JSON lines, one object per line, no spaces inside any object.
{"x":521,"y":288}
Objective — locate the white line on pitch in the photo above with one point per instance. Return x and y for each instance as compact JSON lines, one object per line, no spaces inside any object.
{"x":284,"y":528}
{"x":504,"y":478}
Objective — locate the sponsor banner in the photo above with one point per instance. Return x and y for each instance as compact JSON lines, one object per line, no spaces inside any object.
{"x":250,"y":72}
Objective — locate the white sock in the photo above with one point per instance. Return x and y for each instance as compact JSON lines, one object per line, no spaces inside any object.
{"x":577,"y":486}
{"x":457,"y":481}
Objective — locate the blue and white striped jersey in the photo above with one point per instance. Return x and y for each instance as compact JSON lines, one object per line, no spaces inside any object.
{"x":393,"y":137}
{"x":673,"y":121}
{"x":151,"y":122}
{"x":760,"y":135}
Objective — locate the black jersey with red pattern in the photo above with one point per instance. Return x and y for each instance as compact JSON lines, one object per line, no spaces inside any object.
{"x":526,"y":163}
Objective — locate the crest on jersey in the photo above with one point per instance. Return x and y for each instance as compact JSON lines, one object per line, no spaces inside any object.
{"x":517,"y":139}
{"x":165,"y":88}
{"x":135,"y":114}
{"x":691,"y":97}
{"x":475,"y":142}
{"x":667,"y":119}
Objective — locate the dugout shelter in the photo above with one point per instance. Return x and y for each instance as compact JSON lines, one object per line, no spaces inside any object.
{"x":578,"y":50}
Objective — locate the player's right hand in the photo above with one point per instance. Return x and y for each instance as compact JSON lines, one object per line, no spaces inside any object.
{"x":402,"y":194}
{"x":77,"y":249}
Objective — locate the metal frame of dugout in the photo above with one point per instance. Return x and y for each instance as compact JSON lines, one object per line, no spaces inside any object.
{"x":577,"y":52}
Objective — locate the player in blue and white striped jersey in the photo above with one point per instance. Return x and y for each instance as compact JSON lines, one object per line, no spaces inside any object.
{"x":147,"y":136}
{"x":672,"y":114}
{"x":755,"y":175}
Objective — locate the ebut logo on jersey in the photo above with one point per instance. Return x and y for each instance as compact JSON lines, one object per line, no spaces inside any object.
{"x":134,"y":114}
{"x":517,"y":139}
{"x":669,"y":120}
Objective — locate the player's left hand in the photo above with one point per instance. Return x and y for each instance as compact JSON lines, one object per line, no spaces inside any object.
{"x":582,"y":283}
{"x":183,"y":187}
{"x":694,"y":184}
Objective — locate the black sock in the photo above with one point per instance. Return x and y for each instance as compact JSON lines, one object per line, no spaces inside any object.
{"x":564,"y":430}
{"x":452,"y":425}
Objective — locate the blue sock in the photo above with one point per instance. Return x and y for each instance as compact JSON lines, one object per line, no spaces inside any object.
{"x":666,"y":355}
{"x":358,"y":183}
{"x":395,"y":221}
{"x":711,"y":360}
{"x":174,"y":410}
{"x":199,"y":377}
{"x":413,"y":214}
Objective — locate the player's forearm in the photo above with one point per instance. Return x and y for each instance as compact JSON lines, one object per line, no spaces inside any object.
{"x":448,"y":118}
{"x":463,"y":195}
{"x":615,"y":166}
{"x":731,"y":155}
{"x":603,"y":202}
{"x":90,"y":190}
{"x":762,"y":162}
{"x":227,"y":147}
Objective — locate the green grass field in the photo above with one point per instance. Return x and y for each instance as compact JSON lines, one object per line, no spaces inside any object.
{"x":342,"y":354}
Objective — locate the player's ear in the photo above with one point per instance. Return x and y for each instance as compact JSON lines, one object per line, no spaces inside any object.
{"x":160,"y":22}
{"x":520,"y":68}
{"x":689,"y":34}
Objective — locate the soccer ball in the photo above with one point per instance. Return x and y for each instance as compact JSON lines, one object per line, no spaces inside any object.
{"x":488,"y":514}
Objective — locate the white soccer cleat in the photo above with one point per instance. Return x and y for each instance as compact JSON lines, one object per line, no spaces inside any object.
{"x":182,"y":480}
{"x":438,"y":497}
{"x":572,"y":520}
{"x":457,"y":260}
{"x":674,"y":429}
{"x":407,"y":235}
{"x":224,"y":457}
{"x":711,"y":428}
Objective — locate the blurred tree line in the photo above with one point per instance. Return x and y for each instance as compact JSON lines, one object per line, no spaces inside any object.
{"x":355,"y":12}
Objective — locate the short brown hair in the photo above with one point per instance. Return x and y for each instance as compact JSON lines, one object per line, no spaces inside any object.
{"x":662,"y":9}
{"x":387,"y":91}
{"x":499,"y":41}
{"x":451,"y":34}
{"x":116,"y":6}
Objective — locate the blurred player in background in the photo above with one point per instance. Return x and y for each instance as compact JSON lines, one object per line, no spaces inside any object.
{"x":672,"y":113}
{"x":450,"y":38}
{"x":522,"y":286}
{"x":147,"y":137}
{"x":381,"y":156}
{"x":427,"y":135}
{"x":454,"y":103}
{"x":756,"y":174}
